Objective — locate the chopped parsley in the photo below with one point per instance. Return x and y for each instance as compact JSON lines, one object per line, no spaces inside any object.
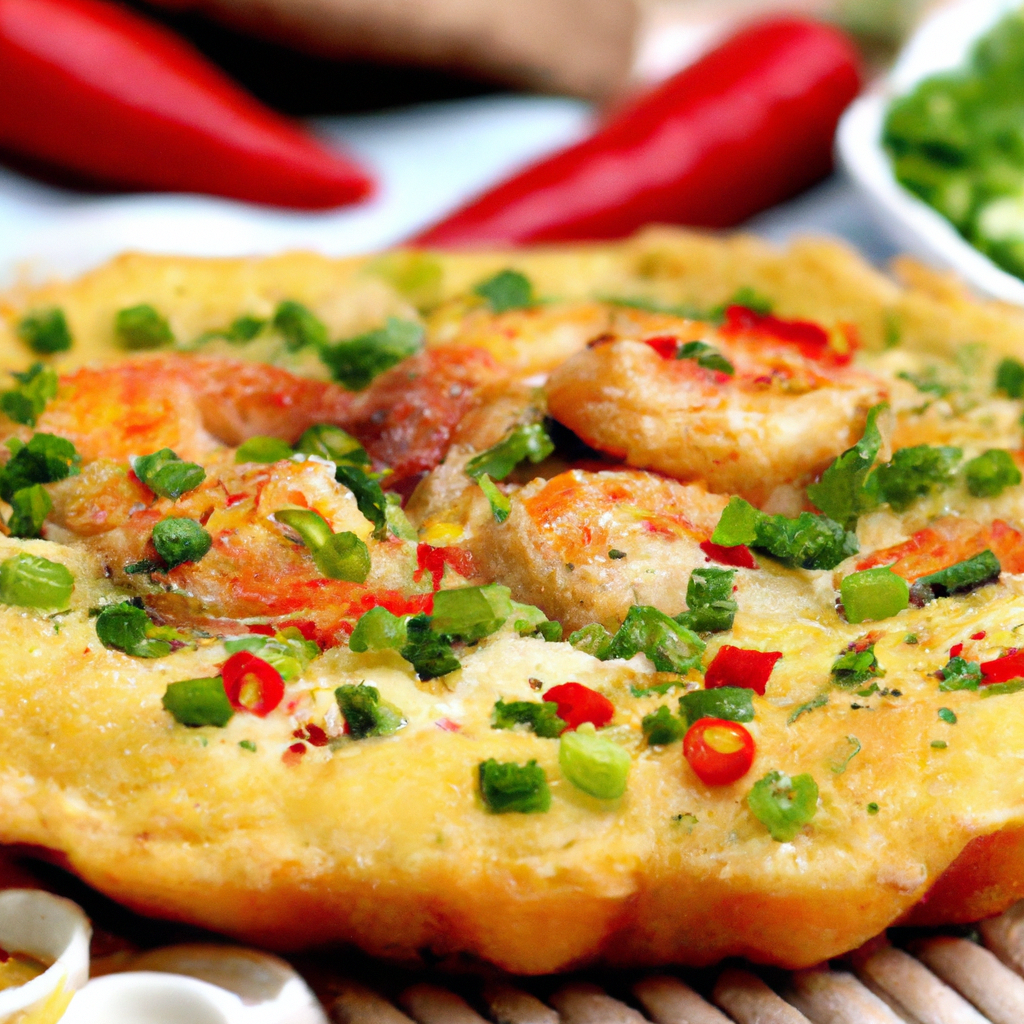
{"x":240,"y":331}
{"x":142,"y":327}
{"x":956,"y":579}
{"x":508,"y":289}
{"x":662,"y":727}
{"x":45,"y":331}
{"x":734,"y":703}
{"x":990,"y":473}
{"x":845,"y":754}
{"x":783,"y":804}
{"x":299,"y":326}
{"x":807,"y":542}
{"x":709,"y":601}
{"x":912,"y":473}
{"x":25,"y":402}
{"x":356,"y":362}
{"x":960,"y":674}
{"x":939,"y":744}
{"x":668,"y":645}
{"x":705,"y":356}
{"x":164,"y":473}
{"x":872,"y":808}
{"x":506,"y":787}
{"x":178,"y":540}
{"x":527,"y":441}
{"x":927,"y":383}
{"x":365,"y":713}
{"x":45,"y":459}
{"x":541,"y":717}
{"x":247,"y":745}
{"x":369,"y":497}
{"x":854,"y":667}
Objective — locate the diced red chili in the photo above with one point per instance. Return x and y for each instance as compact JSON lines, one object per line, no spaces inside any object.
{"x":719,"y":751}
{"x":1002,"y":670}
{"x":293,"y":755}
{"x":956,"y":650}
{"x":433,"y":560}
{"x":312,"y":734}
{"x":738,"y":555}
{"x":666,"y":345}
{"x":736,"y":666}
{"x":252,"y":684}
{"x":578,"y":704}
{"x":978,"y":636}
{"x":397,"y":603}
{"x":809,"y":338}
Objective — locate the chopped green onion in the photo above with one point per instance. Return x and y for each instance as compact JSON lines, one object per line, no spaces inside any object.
{"x":166,"y":474}
{"x":527,"y":441}
{"x":298,"y":326}
{"x":44,"y":460}
{"x":845,"y":755}
{"x":263,"y":449}
{"x":365,"y":713}
{"x":397,"y":520}
{"x":500,"y":503}
{"x":840,"y":493}
{"x":854,"y":667}
{"x":947,"y":715}
{"x":783,"y":804}
{"x":709,"y":601}
{"x":128,"y":628}
{"x":594,"y":640}
{"x":287,"y":651}
{"x":540,"y":716}
{"x":960,"y":674}
{"x":508,"y":289}
{"x":179,"y":540}
{"x":1010,"y":377}
{"x":615,"y":554}
{"x":26,"y":401}
{"x":45,"y":331}
{"x":29,"y":508}
{"x":513,"y":788}
{"x":913,"y":473}
{"x":594,"y":764}
{"x":142,"y":327}
{"x":706,"y":357}
{"x":343,"y":557}
{"x":144,"y":565}
{"x":196,"y":702}
{"x":311,"y":527}
{"x":734,"y":703}
{"x":957,"y":579}
{"x":807,"y":542}
{"x":33,"y":582}
{"x":662,"y":727}
{"x":378,"y":630}
{"x":999,"y":689}
{"x":429,"y":654}
{"x":939,"y":744}
{"x":528,"y":620}
{"x":247,"y":745}
{"x":750,"y":298}
{"x":471,"y":613}
{"x":356,"y":362}
{"x":334,"y":444}
{"x":874,"y":594}
{"x":872,"y":808}
{"x":991,"y":472}
{"x":369,"y":497}
{"x":670,"y":646}
{"x":815,"y":702}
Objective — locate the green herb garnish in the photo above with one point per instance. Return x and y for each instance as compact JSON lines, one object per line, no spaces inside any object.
{"x":873,"y":594}
{"x":429,"y":654}
{"x":913,"y":473}
{"x":783,"y":804}
{"x":668,"y":645}
{"x":25,"y":402}
{"x":33,"y":582}
{"x":365,"y":713}
{"x":378,"y":630}
{"x":947,"y":715}
{"x":196,"y":702}
{"x":854,"y":667}
{"x":528,"y":441}
{"x":594,"y":764}
{"x":960,"y":674}
{"x":299,"y":326}
{"x":541,"y":717}
{"x":506,"y":787}
{"x":356,"y":362}
{"x":662,"y":727}
{"x":501,"y":504}
{"x":44,"y":460}
{"x":142,"y":327}
{"x":709,"y":601}
{"x":29,"y":508}
{"x":705,"y":356}
{"x":334,"y":444}
{"x":815,"y":702}
{"x":369,"y":497}
{"x":167,"y":475}
{"x":508,"y":289}
{"x":45,"y":331}
{"x":128,"y":628}
{"x":263,"y":449}
{"x":956,"y":579}
{"x":1010,"y":377}
{"x":178,"y":540}
{"x":734,"y":703}
{"x":339,"y":556}
{"x":287,"y":651}
{"x":991,"y":472}
{"x":594,"y":640}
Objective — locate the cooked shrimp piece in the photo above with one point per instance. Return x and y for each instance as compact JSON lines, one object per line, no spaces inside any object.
{"x":948,"y":541}
{"x":789,"y":408}
{"x":255,"y":566}
{"x":191,"y":405}
{"x":585,"y":546}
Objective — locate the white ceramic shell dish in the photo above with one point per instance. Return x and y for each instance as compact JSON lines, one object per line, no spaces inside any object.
{"x":942,"y":42}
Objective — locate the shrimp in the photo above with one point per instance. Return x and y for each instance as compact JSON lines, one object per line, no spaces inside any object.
{"x":791,"y":406}
{"x":585,"y":546}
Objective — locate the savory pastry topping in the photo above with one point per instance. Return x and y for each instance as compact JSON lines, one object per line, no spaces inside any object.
{"x":719,"y":751}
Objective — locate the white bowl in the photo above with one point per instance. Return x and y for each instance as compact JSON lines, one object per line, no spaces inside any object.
{"x":50,"y":928}
{"x":943,"y":42}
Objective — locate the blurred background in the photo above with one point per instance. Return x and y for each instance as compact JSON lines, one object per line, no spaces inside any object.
{"x":434,"y":100}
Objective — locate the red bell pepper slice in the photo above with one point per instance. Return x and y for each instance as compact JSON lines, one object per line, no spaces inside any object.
{"x":738,"y":555}
{"x":94,"y":87}
{"x":578,"y":704}
{"x":719,"y":751}
{"x":252,"y":684}
{"x":746,"y":126}
{"x":1002,"y":670}
{"x":736,"y":666}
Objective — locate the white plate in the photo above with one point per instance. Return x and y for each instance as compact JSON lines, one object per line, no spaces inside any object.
{"x":943,"y":42}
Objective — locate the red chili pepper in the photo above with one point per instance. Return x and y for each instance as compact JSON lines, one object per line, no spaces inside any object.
{"x":91,"y":86}
{"x":739,"y":555}
{"x":956,"y":650}
{"x":746,"y":126}
{"x":252,"y":684}
{"x":978,"y":636}
{"x":809,"y":338}
{"x":578,"y":704}
{"x":1002,"y":670}
{"x":736,"y":666}
{"x":433,"y":560}
{"x":718,"y":750}
{"x":666,"y":345}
